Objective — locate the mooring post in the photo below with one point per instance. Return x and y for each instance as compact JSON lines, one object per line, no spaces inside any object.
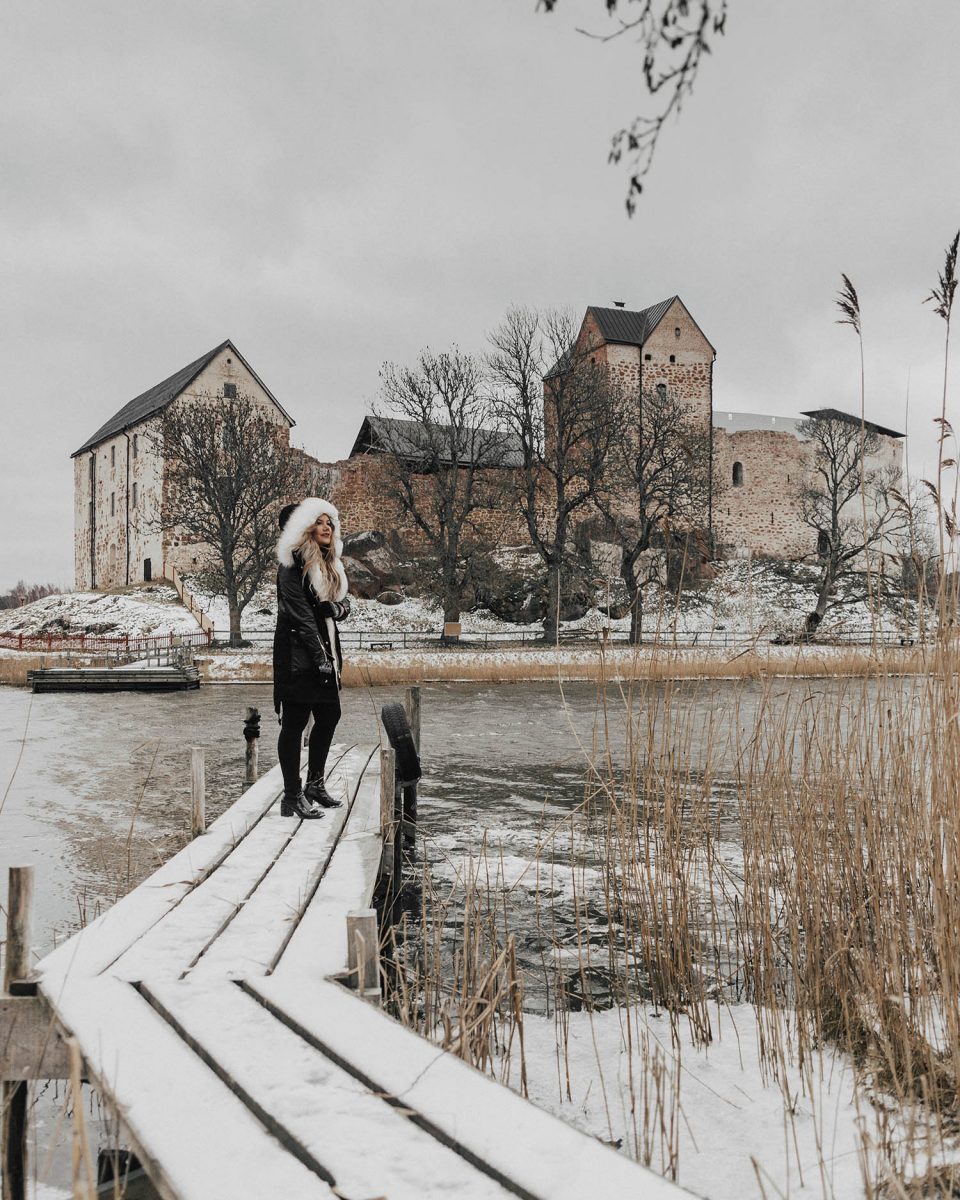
{"x":16,"y":966}
{"x":251,"y":731}
{"x":388,"y":771}
{"x":363,"y":952}
{"x":411,"y":704}
{"x":198,"y":792}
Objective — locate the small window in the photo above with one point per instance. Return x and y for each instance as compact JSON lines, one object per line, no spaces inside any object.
{"x":738,"y":474}
{"x":113,"y":504}
{"x":673,"y":358}
{"x":147,"y":571}
{"x":771,"y":518}
{"x":113,"y":456}
{"x":823,"y":543}
{"x":136,"y":445}
{"x":676,"y":331}
{"x":134,"y":495}
{"x":648,"y":358}
{"x":229,"y":391}
{"x":662,"y":391}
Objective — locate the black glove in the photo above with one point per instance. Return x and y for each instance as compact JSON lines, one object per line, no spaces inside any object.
{"x":338,"y":609}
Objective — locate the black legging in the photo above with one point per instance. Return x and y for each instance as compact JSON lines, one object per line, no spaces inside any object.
{"x":293,"y":723}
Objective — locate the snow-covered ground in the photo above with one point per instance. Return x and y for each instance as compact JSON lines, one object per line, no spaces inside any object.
{"x":734,"y":1132}
{"x":139,"y":612}
{"x":747,"y":599}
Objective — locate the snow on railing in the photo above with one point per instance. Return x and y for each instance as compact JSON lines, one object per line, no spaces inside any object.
{"x":403,"y":639}
{"x":99,"y":644}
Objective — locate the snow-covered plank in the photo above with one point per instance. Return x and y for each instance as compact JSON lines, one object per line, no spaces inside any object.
{"x":101,"y":943}
{"x":176,"y":942}
{"x":538,"y":1152}
{"x":196,"y":1138}
{"x":369,"y":1147}
{"x":253,"y":941}
{"x":318,"y":947}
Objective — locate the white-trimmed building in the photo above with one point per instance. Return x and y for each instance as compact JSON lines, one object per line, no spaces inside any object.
{"x":119,"y":475}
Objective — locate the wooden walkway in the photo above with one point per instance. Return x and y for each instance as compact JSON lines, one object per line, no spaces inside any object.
{"x":207,"y":1011}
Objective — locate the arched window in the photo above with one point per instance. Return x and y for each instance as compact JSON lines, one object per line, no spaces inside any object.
{"x":823,"y":543}
{"x":738,"y":474}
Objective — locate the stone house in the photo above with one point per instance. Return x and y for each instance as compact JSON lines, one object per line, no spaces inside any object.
{"x":119,"y":474}
{"x":758,"y":461}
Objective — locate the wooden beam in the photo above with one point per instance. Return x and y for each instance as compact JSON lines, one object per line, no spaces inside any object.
{"x":31,"y":1046}
{"x":363,"y":952}
{"x":411,"y":704}
{"x":14,"y":1120}
{"x":388,"y":775}
{"x":198,"y":792}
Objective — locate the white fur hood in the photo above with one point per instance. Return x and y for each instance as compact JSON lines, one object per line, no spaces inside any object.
{"x":302,"y":517}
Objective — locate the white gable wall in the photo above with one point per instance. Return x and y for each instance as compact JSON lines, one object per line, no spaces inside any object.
{"x":120,"y":536}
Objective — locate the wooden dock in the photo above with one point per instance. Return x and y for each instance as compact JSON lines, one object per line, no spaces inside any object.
{"x":212,"y":1007}
{"x":131,"y":678}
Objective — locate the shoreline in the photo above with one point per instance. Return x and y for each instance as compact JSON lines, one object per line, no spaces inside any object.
{"x":624,"y":665}
{"x":633,"y":664}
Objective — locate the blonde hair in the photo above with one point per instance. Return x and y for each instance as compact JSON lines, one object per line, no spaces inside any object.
{"x":318,"y":563}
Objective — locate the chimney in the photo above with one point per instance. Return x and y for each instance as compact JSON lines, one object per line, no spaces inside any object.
{"x":619,"y":304}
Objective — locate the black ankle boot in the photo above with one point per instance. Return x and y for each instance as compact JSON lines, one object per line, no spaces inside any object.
{"x":296,"y":804}
{"x":318,"y":794}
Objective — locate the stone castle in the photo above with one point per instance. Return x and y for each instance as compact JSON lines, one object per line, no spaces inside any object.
{"x":759,"y":462}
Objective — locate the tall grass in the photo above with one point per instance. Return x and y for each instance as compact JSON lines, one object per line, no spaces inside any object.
{"x":807,"y":862}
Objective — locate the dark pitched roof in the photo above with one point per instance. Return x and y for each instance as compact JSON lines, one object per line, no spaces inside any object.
{"x":157,"y":398}
{"x":630,"y":328}
{"x":625,"y":327}
{"x":834,"y":414}
{"x":408,"y":440}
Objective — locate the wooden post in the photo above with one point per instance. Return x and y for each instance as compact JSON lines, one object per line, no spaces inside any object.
{"x":16,"y":966}
{"x":388,"y":771}
{"x":83,"y":1185}
{"x":251,"y":731}
{"x":198,"y":792}
{"x":411,"y":704}
{"x":363,"y":952}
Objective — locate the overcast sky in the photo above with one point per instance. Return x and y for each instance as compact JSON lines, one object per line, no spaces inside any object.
{"x":333,"y":186}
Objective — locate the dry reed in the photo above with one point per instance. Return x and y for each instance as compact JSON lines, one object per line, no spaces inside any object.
{"x":836,"y":917}
{"x":645,"y":663}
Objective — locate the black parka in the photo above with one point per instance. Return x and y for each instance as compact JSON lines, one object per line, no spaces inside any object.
{"x":301,"y":643}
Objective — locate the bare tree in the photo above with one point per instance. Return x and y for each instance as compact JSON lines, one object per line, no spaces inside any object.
{"x":25,"y":593}
{"x":563,"y":409}
{"x":674,"y":36}
{"x":660,"y":472}
{"x":228,"y":469}
{"x":853,"y":506}
{"x":435,"y":424}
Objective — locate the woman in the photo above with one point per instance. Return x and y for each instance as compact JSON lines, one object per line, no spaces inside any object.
{"x":311,"y":599}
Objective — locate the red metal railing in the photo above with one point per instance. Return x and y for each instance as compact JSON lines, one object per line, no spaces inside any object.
{"x":97,"y":644}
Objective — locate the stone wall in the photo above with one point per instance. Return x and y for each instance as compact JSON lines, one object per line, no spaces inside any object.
{"x":125,"y":472}
{"x":676,"y":355}
{"x":759,"y":474}
{"x":360,"y":489}
{"x":760,"y":514}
